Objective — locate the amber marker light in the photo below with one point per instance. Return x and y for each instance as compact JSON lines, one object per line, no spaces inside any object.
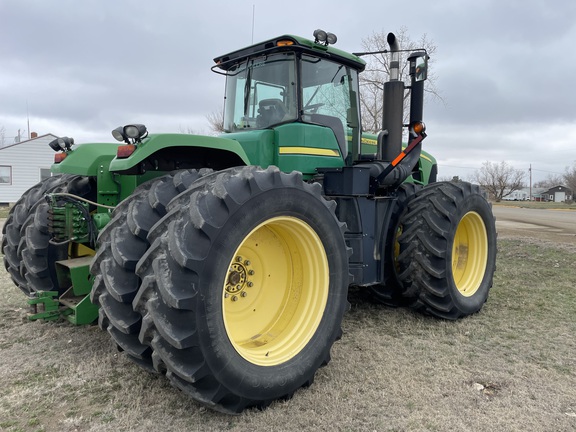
{"x":419,"y":127}
{"x":284,"y":42}
{"x":59,"y":157}
{"x":125,"y":151}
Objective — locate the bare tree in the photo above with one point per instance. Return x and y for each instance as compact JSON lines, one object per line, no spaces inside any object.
{"x":570,"y":177}
{"x":377,"y":72}
{"x":550,"y":181}
{"x":499,"y":179}
{"x":216,"y":120}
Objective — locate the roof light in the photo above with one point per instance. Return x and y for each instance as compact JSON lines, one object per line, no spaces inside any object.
{"x":320,"y":36}
{"x":130,"y":134}
{"x":63,"y":144}
{"x":324,"y":37}
{"x":135,"y":131}
{"x":54,"y":145}
{"x":284,"y":42}
{"x":118,"y":134}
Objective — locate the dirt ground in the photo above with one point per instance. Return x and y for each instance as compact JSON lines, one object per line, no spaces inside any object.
{"x":510,"y":367}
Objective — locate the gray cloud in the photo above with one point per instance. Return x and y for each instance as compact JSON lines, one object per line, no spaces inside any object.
{"x":85,"y":67}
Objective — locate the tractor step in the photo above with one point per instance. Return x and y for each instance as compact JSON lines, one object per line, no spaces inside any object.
{"x":75,"y":274}
{"x":71,"y":302}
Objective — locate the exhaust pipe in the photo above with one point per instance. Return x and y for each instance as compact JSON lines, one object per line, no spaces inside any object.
{"x":390,"y":138}
{"x":394,"y":57}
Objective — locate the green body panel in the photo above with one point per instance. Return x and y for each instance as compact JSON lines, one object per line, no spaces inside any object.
{"x":291,"y":147}
{"x":86,"y":159}
{"x":259,"y":145}
{"x":305,"y":147}
{"x":157,"y":142}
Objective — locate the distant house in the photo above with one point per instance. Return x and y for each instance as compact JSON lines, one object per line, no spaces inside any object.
{"x":24,"y":164}
{"x":556,"y":194}
{"x":517,"y":195}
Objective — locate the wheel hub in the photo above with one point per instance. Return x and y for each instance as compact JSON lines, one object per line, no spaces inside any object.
{"x":238,"y":278}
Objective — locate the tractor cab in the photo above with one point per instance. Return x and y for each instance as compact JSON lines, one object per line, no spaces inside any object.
{"x":292,"y":80}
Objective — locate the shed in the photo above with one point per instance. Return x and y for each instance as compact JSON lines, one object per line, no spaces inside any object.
{"x":557,"y":194}
{"x":24,"y":164}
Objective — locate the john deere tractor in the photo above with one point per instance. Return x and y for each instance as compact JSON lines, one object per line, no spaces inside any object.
{"x":225,"y":262}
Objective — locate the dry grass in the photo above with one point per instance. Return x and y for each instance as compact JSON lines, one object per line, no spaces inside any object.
{"x":539,"y":205}
{"x":510,"y":367}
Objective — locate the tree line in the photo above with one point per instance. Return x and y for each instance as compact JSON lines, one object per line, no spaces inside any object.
{"x":502,"y":179}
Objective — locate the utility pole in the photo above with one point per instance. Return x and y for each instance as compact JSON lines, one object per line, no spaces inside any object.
{"x":530,"y":171}
{"x":28,"y":117}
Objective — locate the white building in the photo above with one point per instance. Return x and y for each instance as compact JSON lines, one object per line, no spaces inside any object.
{"x":518,"y":195}
{"x":24,"y":164}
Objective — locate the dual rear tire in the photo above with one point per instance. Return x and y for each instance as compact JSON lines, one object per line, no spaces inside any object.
{"x":240,"y":293}
{"x":447,"y":250}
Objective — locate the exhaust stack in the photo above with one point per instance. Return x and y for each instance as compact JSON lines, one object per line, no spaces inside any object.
{"x":390,"y":138}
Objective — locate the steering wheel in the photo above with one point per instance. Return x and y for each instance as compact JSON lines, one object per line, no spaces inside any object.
{"x":313,"y":108}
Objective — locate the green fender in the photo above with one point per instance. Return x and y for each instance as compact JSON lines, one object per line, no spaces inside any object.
{"x":157,"y":142}
{"x":86,"y":159}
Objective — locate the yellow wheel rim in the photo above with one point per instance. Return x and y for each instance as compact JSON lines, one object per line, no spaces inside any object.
{"x":276,"y":290}
{"x":469,"y":254}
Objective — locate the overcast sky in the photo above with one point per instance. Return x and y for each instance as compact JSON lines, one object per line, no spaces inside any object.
{"x":505,"y":68}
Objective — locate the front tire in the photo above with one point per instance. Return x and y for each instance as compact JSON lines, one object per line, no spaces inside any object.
{"x":244,"y":293}
{"x":448,"y":250}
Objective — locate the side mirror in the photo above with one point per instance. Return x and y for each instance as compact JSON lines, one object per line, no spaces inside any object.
{"x":418,"y":66}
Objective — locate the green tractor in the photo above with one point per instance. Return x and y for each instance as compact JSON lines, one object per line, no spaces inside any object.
{"x":225,"y":262}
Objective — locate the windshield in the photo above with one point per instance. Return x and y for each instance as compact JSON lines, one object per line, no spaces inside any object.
{"x":330,"y":98}
{"x":261,"y":92}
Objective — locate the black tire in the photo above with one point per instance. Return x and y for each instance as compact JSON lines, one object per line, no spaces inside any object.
{"x":38,"y":254}
{"x":14,"y":233}
{"x":391,"y":291}
{"x":234,"y":236}
{"x":448,"y":250}
{"x":121,"y":244}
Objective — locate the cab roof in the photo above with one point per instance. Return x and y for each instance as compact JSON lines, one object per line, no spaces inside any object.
{"x":290,"y":43}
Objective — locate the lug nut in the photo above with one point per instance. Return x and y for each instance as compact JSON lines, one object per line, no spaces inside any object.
{"x":250,"y":272}
{"x":244,"y":294}
{"x":234,"y":298}
{"x":250,"y":284}
{"x":239,"y":258}
{"x":247,"y":262}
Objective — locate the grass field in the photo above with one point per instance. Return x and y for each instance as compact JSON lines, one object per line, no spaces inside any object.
{"x":511,"y":367}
